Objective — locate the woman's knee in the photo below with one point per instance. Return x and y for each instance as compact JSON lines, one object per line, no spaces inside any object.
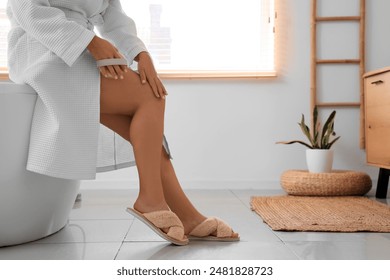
{"x":127,"y":95}
{"x":156,"y":106}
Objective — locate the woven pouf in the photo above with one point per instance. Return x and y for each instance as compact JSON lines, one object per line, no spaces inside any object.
{"x":335,"y":183}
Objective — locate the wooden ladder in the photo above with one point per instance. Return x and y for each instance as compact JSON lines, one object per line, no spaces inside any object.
{"x":315,"y":62}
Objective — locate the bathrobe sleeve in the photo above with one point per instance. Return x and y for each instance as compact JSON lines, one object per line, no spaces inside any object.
{"x":49,"y":26}
{"x":121,"y":31}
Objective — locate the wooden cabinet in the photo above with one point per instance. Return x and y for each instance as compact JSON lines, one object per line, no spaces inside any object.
{"x":377,"y":124}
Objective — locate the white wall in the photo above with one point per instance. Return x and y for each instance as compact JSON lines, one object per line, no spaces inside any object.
{"x":222,"y":133}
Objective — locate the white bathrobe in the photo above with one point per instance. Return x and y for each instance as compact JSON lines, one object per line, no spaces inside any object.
{"x":47,"y":50}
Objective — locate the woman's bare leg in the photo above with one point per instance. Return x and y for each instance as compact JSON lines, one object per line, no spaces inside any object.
{"x":173,"y":193}
{"x":123,"y":115}
{"x":176,"y":198}
{"x":130,"y":99}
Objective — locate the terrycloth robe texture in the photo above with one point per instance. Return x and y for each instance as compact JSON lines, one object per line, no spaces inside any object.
{"x":47,"y":50}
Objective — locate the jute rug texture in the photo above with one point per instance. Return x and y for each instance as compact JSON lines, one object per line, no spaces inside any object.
{"x":336,"y":214}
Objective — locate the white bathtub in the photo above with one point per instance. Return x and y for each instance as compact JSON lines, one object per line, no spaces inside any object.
{"x":32,"y":206}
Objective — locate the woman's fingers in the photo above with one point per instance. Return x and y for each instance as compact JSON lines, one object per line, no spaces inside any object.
{"x":155,"y":83}
{"x":161,"y":89}
{"x":151,"y":81}
{"x":118,"y":71}
{"x":142,"y":76}
{"x":106,"y":72}
{"x":154,"y":87}
{"x":113,"y":71}
{"x":148,"y":73}
{"x":123,"y":68}
{"x":103,"y":49}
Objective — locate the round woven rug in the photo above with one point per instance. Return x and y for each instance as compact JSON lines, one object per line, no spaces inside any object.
{"x":337,"y":182}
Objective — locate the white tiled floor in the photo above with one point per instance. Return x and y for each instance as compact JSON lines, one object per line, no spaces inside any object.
{"x":99,"y":228}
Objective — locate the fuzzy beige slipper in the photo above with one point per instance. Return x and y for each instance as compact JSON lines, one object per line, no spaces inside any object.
{"x":159,"y":220}
{"x":213,"y":229}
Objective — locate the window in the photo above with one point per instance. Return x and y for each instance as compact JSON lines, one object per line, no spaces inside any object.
{"x":202,"y":38}
{"x":207,"y":36}
{"x":4,"y":27}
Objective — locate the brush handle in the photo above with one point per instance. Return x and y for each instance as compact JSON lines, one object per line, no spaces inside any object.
{"x":111,"y":61}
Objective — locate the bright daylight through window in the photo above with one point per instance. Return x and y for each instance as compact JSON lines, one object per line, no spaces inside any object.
{"x":198,"y":38}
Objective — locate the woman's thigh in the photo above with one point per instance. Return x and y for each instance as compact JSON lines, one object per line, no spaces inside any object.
{"x":125,"y":96}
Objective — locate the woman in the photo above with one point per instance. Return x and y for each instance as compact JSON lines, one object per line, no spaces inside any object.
{"x":53,"y":48}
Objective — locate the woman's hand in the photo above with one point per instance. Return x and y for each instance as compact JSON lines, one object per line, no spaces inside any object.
{"x":102,"y":49}
{"x":148,"y":74}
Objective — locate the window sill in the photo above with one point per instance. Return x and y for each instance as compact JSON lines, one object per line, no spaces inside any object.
{"x":3,"y":77}
{"x":215,"y":75}
{"x":171,"y":75}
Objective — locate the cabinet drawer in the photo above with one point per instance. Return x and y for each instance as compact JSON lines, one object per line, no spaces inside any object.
{"x":377,"y":119}
{"x":377,"y":89}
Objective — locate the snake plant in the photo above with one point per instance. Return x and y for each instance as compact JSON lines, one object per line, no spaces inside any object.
{"x":319,"y":138}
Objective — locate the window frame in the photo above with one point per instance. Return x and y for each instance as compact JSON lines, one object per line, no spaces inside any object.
{"x":4,"y":73}
{"x":233,"y":74}
{"x":208,"y":74}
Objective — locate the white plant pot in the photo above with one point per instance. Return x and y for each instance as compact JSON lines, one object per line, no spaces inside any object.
{"x":319,"y":161}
